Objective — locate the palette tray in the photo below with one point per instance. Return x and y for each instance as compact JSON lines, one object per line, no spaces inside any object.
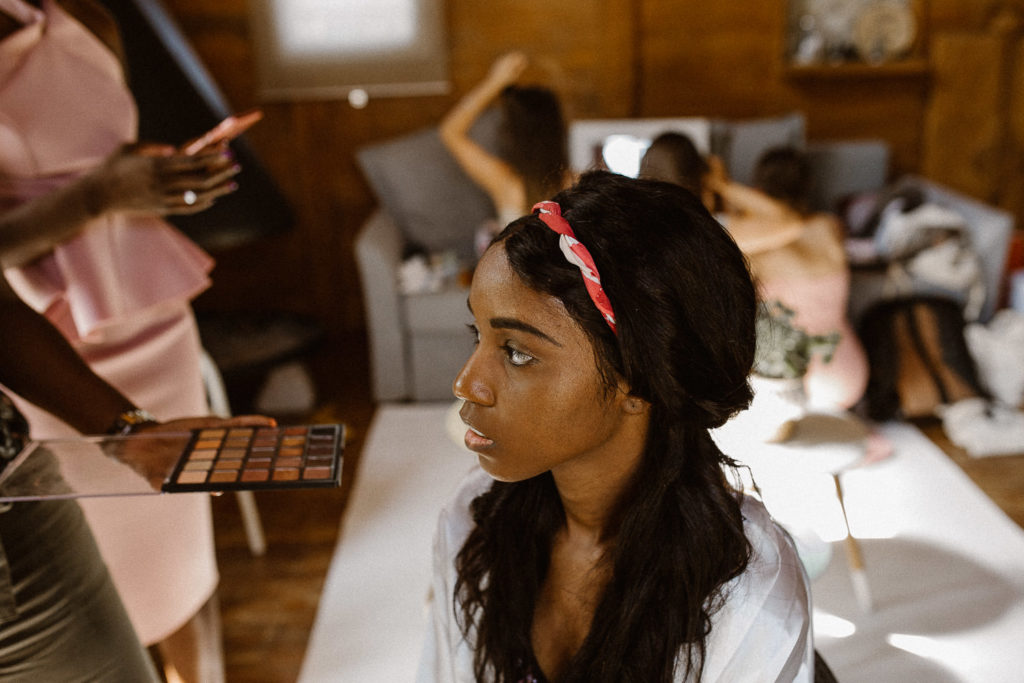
{"x":258,"y":458}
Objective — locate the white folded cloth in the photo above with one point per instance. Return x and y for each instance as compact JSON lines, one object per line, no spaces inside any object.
{"x":983,"y":427}
{"x":998,"y":352}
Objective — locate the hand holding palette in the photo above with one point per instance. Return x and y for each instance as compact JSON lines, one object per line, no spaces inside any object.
{"x":229,"y":458}
{"x":237,"y":458}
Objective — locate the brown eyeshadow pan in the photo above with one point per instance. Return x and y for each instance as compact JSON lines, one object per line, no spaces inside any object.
{"x":246,"y":458}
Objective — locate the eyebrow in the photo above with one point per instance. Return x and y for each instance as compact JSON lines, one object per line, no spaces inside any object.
{"x":501,"y":323}
{"x":515,"y":324}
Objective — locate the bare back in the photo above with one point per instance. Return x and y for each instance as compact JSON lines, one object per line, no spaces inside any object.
{"x":816,"y":252}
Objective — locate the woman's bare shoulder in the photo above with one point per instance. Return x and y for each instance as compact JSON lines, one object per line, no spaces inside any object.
{"x":824,"y":221}
{"x":99,"y":20}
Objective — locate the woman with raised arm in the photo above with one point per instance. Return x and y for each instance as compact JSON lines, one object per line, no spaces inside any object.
{"x":533,"y":159}
{"x":601,"y":540}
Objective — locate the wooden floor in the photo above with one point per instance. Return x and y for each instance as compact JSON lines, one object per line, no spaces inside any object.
{"x":269,"y":603}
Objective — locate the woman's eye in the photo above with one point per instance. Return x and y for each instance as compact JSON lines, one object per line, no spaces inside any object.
{"x":517,"y":357}
{"x":474,"y":331}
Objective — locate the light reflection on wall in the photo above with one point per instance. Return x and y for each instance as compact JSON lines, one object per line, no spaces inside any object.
{"x":622,"y":153}
{"x":326,"y":49}
{"x":311,"y":27}
{"x":619,"y":144}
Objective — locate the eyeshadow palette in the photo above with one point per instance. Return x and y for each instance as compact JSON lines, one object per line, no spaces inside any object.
{"x":258,"y":458}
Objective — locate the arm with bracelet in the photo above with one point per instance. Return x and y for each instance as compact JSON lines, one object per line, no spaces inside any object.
{"x":40,"y":365}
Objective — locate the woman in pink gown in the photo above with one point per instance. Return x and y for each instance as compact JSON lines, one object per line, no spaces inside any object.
{"x":81,"y":241}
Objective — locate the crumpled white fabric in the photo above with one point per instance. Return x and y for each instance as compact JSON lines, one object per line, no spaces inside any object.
{"x":427,"y":274}
{"x":901,"y":234}
{"x":998,"y":353}
{"x":983,"y":427}
{"x":930,"y":245}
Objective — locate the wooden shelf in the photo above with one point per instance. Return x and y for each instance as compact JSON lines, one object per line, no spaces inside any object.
{"x":908,"y":68}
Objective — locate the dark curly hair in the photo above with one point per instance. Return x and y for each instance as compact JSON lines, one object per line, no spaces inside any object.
{"x":674,"y":158}
{"x":685,"y":310}
{"x":533,"y":139}
{"x":785,"y":174}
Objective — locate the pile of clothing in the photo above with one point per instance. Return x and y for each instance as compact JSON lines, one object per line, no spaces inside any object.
{"x":925,"y":247}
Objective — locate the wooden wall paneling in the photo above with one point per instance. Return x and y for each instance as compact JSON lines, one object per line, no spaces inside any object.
{"x":309,"y":146}
{"x":962,"y":131}
{"x":717,"y":59}
{"x":1012,"y":190}
{"x":224,"y":46}
{"x":1008,"y":25}
{"x":584,"y":50}
{"x":1001,"y":181}
{"x":964,"y":15}
{"x":880,"y":107}
{"x":728,"y":60}
{"x":859,"y":101}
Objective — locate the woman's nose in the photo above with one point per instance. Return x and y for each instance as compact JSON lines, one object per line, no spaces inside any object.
{"x":469,"y":384}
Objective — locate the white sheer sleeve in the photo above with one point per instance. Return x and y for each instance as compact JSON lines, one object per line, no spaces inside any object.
{"x":435,"y":659}
{"x":446,"y":657}
{"x":763,"y":631}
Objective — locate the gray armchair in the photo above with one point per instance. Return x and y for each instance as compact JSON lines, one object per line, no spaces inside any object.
{"x":418,"y":342}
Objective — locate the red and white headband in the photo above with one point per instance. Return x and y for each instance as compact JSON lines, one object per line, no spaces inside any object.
{"x":578,"y":255}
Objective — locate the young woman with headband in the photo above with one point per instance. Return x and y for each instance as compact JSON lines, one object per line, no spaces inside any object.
{"x":601,"y":539}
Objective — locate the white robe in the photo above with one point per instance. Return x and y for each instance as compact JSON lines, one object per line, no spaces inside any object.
{"x":761,"y":634}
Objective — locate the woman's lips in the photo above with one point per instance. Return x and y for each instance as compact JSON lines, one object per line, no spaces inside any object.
{"x":475,"y":441}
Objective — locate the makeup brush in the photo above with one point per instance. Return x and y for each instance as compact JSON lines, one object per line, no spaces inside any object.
{"x":854,"y":558}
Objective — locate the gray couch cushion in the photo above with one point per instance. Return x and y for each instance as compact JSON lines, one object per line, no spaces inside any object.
{"x":434,"y":312}
{"x":419,"y":184}
{"x":843,"y":168}
{"x":740,"y":143}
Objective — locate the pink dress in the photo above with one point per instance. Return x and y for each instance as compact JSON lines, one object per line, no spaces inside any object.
{"x":120,"y":292}
{"x":819,"y":304}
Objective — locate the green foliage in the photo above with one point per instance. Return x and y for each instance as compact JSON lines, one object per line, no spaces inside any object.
{"x":783,"y":349}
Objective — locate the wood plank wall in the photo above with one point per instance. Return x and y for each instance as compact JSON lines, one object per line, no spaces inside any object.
{"x":608,"y":58}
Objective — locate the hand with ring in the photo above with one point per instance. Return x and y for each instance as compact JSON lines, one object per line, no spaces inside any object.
{"x":158,"y":179}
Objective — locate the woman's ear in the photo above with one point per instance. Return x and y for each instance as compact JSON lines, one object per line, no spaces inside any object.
{"x":631,"y":403}
{"x":634,"y":405}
